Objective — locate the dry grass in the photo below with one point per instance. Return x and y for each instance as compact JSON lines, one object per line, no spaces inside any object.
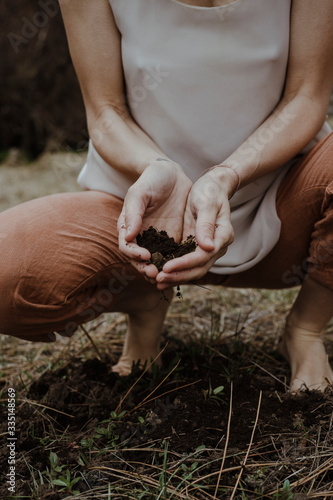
{"x":240,"y":309}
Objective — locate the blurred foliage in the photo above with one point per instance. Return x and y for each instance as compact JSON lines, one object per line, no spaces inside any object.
{"x":40,"y":102}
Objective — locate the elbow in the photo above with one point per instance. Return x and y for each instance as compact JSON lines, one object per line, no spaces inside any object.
{"x":103,"y":114}
{"x":104,"y":121}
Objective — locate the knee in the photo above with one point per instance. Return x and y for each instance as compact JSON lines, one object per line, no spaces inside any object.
{"x":27,"y":304}
{"x":15,"y":318}
{"x":9,"y":315}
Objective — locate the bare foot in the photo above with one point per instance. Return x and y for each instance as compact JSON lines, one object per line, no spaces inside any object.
{"x":142,"y":340}
{"x":142,"y":344}
{"x":125,"y":363}
{"x":305,"y":352}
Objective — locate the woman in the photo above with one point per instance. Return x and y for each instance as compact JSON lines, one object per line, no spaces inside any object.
{"x":171,"y":89}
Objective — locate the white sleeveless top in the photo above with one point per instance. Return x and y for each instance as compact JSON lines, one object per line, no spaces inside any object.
{"x":199,"y":81}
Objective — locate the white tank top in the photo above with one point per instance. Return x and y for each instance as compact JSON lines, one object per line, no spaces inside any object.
{"x":199,"y":81}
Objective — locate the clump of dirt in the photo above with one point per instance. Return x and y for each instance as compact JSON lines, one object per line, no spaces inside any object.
{"x":163,"y":247}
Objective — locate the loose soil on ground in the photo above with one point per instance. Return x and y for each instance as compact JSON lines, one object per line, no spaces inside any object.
{"x":105,"y":431}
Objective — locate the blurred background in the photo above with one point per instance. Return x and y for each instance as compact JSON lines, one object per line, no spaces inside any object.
{"x":41,"y":108}
{"x":41,"y":105}
{"x":43,"y":133}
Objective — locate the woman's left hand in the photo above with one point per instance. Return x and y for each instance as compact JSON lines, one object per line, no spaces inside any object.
{"x":207,"y":216}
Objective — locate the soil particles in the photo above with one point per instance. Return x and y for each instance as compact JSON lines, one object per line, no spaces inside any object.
{"x":164,"y":248}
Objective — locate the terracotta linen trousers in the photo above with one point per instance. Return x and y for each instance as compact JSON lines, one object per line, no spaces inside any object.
{"x":61,"y":267}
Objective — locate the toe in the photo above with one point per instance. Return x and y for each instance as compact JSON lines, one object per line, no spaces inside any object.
{"x":123,"y":369}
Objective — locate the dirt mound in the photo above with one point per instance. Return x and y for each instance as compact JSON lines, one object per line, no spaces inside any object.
{"x":106,"y":429}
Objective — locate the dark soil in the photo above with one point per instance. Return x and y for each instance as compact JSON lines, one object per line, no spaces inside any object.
{"x":164,"y":248}
{"x":69,"y":410}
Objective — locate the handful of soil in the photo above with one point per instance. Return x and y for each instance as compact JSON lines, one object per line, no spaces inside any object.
{"x":163,"y":247}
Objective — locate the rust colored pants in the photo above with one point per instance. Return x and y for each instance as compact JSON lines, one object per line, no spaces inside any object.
{"x":61,"y":267}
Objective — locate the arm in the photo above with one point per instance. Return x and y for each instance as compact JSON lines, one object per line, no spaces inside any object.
{"x":94,"y":43}
{"x":302,"y":110}
{"x":160,"y":188}
{"x":293,"y":124}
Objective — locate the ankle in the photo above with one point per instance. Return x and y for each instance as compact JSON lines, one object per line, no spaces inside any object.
{"x":295,"y":323}
{"x":141,"y":346}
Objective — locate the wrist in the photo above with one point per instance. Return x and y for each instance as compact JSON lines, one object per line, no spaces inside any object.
{"x":166,"y":164}
{"x":226,"y":176}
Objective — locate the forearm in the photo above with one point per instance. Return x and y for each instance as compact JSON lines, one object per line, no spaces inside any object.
{"x":120,"y":142}
{"x":95,"y":46}
{"x":282,"y":136}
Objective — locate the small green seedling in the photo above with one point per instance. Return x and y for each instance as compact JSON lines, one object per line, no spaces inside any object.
{"x":55,"y":468}
{"x":57,"y":477}
{"x":189,"y":471}
{"x":214,"y":394}
{"x":67,"y":483}
{"x":285,"y":494}
{"x":109,"y":432}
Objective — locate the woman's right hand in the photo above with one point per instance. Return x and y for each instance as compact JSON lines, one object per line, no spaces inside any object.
{"x":158,"y":198}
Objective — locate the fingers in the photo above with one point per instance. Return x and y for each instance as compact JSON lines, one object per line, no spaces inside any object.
{"x":135,"y":205}
{"x":130,"y":223}
{"x":205,"y":229}
{"x":213,"y":227}
{"x":130,"y":249}
{"x":149,"y":271}
{"x":138,"y":256}
{"x":198,"y":261}
{"x":203,"y":208}
{"x":190,"y":267}
{"x":194,"y":259}
{"x":214,"y":234}
{"x":167,"y":280}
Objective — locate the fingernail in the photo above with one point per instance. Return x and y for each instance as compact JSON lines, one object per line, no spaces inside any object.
{"x":128,"y":230}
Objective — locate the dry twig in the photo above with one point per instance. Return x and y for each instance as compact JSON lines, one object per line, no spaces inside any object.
{"x":248,"y":451}
{"x":226,"y":443}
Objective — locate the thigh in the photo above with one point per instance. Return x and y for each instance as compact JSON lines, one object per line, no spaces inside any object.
{"x":58,"y":252}
{"x":304,"y":207}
